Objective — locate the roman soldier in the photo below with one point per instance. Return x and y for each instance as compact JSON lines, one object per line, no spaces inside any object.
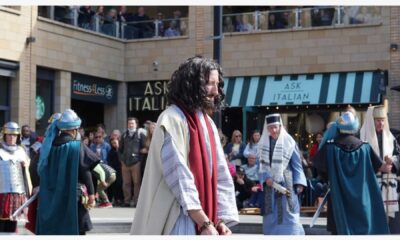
{"x":15,"y":183}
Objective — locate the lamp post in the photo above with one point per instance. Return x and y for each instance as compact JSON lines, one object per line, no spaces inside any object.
{"x":217,"y":51}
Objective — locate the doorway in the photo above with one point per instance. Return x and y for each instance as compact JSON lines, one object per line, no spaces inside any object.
{"x":91,"y":113}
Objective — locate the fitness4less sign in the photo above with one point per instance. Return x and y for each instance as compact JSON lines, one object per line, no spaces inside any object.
{"x":147,"y":96}
{"x":93,"y":89}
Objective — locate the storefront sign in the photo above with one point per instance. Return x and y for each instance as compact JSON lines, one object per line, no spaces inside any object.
{"x":147,"y":96}
{"x":40,"y":108}
{"x":299,"y":91}
{"x":93,"y":89}
{"x":361,"y":87}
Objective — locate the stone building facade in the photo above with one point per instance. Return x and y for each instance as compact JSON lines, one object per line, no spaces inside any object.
{"x":41,"y":48}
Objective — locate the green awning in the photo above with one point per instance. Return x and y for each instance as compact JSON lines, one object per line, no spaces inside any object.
{"x":361,"y":87}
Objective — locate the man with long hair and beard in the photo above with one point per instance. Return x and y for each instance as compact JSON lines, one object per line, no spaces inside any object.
{"x":187,"y":188}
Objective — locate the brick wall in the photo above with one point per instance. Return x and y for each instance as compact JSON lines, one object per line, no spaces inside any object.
{"x":394,"y":72}
{"x":67,"y":49}
{"x":306,"y":51}
{"x":61,"y":46}
{"x":16,"y":26}
{"x":140,"y":54}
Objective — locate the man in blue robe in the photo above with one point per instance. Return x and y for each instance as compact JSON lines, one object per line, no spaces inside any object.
{"x":280,"y":164}
{"x":64,"y":169}
{"x":355,"y":203}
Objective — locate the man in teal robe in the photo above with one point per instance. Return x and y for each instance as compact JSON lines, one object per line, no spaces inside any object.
{"x":62,"y":168}
{"x":355,"y":203}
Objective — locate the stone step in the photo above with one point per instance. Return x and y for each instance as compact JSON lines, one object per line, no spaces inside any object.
{"x":242,"y":228}
{"x":119,"y":221}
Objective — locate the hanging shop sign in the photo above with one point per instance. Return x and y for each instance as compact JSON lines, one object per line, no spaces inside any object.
{"x":147,"y":96}
{"x":360,"y":87}
{"x":93,"y":89}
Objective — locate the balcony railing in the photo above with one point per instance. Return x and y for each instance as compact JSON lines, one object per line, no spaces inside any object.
{"x":301,"y":18}
{"x":109,"y":25}
{"x":155,"y":28}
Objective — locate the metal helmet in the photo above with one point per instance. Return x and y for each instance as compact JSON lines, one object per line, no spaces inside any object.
{"x":69,"y":120}
{"x":54,"y":117}
{"x":348,"y":123}
{"x":11,"y":128}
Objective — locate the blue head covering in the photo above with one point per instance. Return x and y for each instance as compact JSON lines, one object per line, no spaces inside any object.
{"x":68,"y":120}
{"x":348,"y":123}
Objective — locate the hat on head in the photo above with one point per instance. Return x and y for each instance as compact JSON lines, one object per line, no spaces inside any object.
{"x":69,"y":120}
{"x":240,"y":170}
{"x":379,"y":112}
{"x":348,"y":123}
{"x":273,"y":119}
{"x":11,"y":128}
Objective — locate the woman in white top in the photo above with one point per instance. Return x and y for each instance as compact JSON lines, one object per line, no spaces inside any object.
{"x":252,"y":146}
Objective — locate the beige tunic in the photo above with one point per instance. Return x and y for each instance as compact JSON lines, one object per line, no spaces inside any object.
{"x":157,"y":209}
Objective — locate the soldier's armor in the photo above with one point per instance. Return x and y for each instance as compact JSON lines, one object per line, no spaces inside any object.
{"x":11,"y":172}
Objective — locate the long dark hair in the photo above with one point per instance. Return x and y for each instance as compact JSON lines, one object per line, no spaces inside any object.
{"x":251,"y":141}
{"x":188,"y":84}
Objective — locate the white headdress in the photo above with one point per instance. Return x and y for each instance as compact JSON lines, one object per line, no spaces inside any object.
{"x":284,"y":147}
{"x":368,"y":133}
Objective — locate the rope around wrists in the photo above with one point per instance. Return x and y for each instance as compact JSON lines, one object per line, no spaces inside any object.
{"x":205,"y":225}
{"x":220,"y":222}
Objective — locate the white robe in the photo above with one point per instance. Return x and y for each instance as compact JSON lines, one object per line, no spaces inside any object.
{"x":170,"y":186}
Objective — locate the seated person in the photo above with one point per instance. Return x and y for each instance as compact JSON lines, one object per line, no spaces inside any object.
{"x":251,"y":168}
{"x":251,"y":171}
{"x":243,"y":188}
{"x":235,"y":148}
{"x":172,"y":31}
{"x":320,"y":189}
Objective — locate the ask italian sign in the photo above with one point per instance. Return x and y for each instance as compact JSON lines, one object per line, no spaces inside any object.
{"x":297,"y":91}
{"x":147,"y":96}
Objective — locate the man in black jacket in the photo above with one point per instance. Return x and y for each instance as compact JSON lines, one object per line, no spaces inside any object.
{"x":132,"y":141}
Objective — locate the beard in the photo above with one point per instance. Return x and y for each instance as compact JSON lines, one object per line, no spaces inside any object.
{"x":211,"y":106}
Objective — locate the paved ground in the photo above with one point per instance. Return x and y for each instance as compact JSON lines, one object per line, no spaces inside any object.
{"x":119,"y":220}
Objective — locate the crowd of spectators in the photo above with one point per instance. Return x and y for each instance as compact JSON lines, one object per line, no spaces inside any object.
{"x":275,"y":17}
{"x":115,"y":178}
{"x":243,"y":164}
{"x":119,"y":22}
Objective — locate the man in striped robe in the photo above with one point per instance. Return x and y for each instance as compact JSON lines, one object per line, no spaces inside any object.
{"x":187,"y":188}
{"x":280,"y":165}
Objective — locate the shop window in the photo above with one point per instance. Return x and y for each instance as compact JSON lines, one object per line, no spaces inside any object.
{"x":44,"y":99}
{"x":4,"y":100}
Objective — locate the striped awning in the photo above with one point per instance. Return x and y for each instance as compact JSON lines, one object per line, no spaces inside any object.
{"x":361,"y":87}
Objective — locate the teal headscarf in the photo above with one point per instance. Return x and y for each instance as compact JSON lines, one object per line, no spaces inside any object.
{"x":330,"y":133}
{"x":347,"y":123}
{"x":67,"y":120}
